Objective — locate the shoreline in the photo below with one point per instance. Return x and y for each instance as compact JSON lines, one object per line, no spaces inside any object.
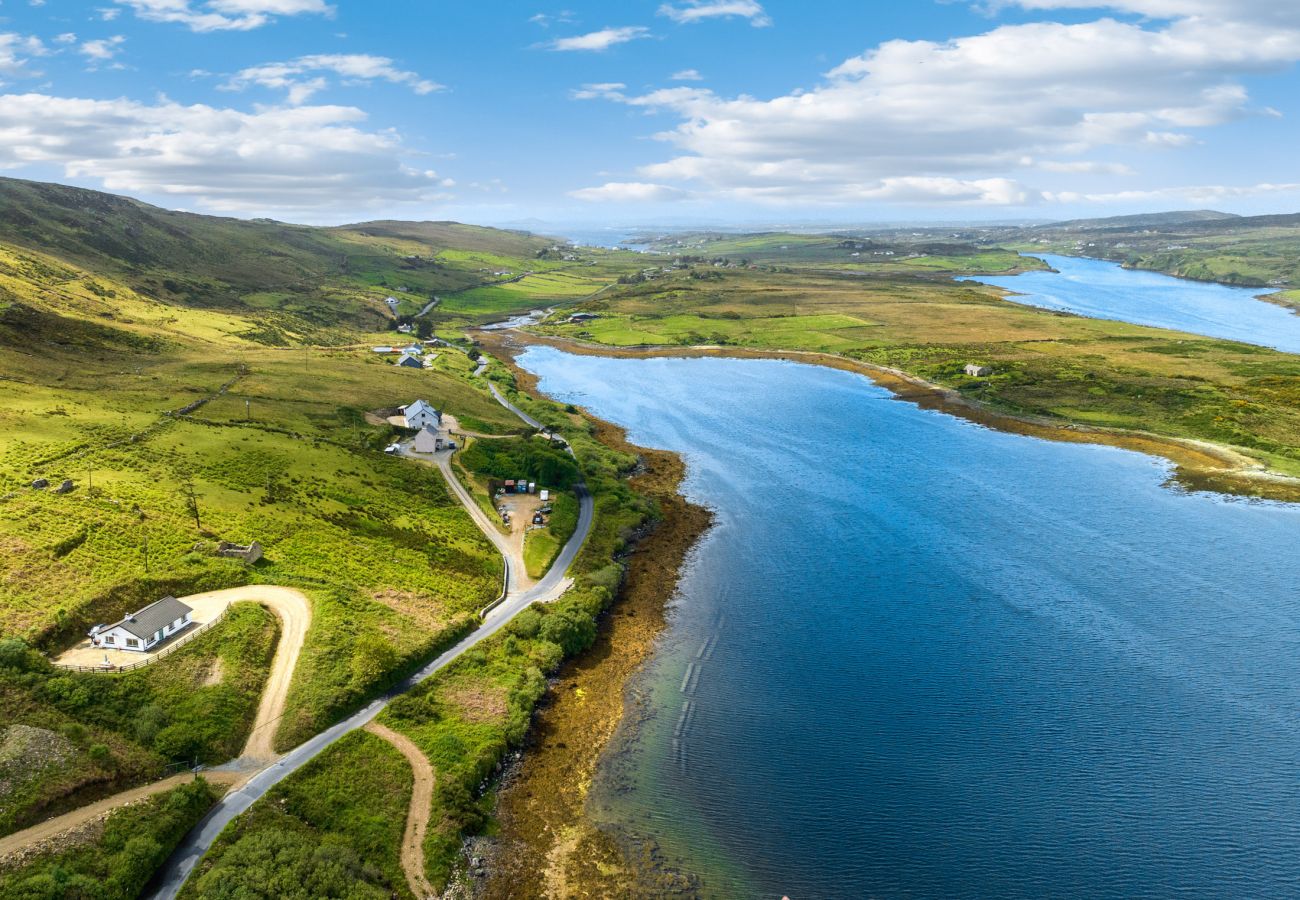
{"x":1198,"y":465}
{"x":546,"y":844}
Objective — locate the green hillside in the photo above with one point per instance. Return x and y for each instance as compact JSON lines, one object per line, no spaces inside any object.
{"x":274,"y":272}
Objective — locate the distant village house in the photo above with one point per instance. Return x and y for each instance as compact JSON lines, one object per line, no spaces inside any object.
{"x":410,"y":361}
{"x":142,"y":631}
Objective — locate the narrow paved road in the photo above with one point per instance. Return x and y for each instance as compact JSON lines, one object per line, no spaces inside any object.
{"x":417,"y":815}
{"x":171,"y":877}
{"x":514,"y":409}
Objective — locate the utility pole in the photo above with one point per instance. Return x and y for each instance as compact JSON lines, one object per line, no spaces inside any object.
{"x":145,"y":534}
{"x":248,"y":410}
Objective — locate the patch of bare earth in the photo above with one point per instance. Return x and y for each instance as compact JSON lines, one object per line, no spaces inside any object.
{"x":421,"y":609}
{"x":213,"y":673}
{"x":478,"y":703}
{"x":27,"y":753}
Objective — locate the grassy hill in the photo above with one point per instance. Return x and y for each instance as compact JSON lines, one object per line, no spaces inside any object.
{"x":1253,"y":251}
{"x":884,"y":254}
{"x":275,"y":272}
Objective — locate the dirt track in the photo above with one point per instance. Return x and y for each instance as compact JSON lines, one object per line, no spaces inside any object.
{"x":51,"y":827}
{"x":417,"y":816}
{"x":294,"y":611}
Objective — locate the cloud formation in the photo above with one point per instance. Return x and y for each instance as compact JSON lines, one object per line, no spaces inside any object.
{"x":693,"y":11}
{"x":597,"y":41}
{"x":965,"y":119}
{"x":306,"y":162}
{"x":102,"y":50}
{"x":17,"y":51}
{"x":220,"y":15}
{"x":629,"y":192}
{"x":301,"y":78}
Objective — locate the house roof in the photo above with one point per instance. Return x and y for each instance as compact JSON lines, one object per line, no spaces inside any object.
{"x":408,"y":358}
{"x":150,"y":620}
{"x":418,"y":407}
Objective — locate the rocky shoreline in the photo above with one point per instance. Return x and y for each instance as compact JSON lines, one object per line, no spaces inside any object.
{"x":545,"y":844}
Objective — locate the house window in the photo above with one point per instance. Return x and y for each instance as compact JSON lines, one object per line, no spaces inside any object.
{"x":132,"y":642}
{"x":108,"y":639}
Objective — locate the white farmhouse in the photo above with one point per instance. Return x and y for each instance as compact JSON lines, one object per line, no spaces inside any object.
{"x":144,"y":630}
{"x":420,"y":414}
{"x":428,"y":440}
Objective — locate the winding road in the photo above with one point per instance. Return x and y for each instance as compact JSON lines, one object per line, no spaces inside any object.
{"x":172,"y":876}
{"x":294,"y":611}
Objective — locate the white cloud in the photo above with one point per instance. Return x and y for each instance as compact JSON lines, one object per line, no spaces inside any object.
{"x":687,"y":75}
{"x":597,"y":41}
{"x":66,"y":38}
{"x":1278,"y":12}
{"x":958,"y":118}
{"x":103,"y":49}
{"x":309,"y":162}
{"x":629,"y":192}
{"x":16,"y":51}
{"x":546,"y":20}
{"x":1080,"y":167}
{"x":297,"y":77}
{"x":698,"y":10}
{"x":607,"y":90}
{"x":221,"y":15}
{"x":1210,"y":193}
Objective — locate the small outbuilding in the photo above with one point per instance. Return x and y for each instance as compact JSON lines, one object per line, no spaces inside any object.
{"x":140,"y":632}
{"x":428,"y":440}
{"x":978,"y":371}
{"x":249,"y":554}
{"x":410,"y":361}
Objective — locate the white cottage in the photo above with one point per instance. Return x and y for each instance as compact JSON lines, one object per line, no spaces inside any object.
{"x":146,"y":629}
{"x":420,"y":414}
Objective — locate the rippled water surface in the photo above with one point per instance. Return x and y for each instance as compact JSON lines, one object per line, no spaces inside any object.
{"x":917,"y":657}
{"x":1104,"y":290}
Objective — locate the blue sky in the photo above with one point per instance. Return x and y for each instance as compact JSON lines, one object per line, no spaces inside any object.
{"x":329,"y":111}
